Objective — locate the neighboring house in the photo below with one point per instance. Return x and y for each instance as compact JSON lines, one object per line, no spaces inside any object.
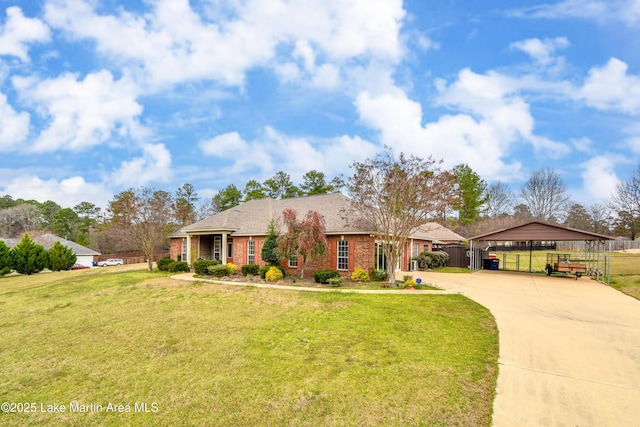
{"x":441,"y":235}
{"x":85,"y":256}
{"x":237,"y":235}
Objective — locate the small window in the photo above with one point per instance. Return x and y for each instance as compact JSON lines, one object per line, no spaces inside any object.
{"x":293,"y":262}
{"x":229,"y":248}
{"x":251,"y":252}
{"x":343,"y":254}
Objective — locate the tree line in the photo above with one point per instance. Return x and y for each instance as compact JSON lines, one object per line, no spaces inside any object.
{"x":140,"y":219}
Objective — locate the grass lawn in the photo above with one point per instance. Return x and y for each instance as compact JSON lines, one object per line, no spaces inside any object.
{"x":625,"y":267}
{"x":205,"y":354}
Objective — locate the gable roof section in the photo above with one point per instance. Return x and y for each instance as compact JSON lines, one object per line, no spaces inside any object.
{"x":251,"y":218}
{"x":441,"y":233}
{"x":538,"y":230}
{"x":47,"y":240}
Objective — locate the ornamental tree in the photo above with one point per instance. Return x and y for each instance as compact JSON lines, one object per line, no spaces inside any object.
{"x":27,"y":257}
{"x":393,"y":197}
{"x":305,"y":239}
{"x":61,"y":257}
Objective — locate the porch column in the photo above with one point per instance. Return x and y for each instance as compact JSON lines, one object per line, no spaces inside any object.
{"x":188,"y":260}
{"x":223,"y":251}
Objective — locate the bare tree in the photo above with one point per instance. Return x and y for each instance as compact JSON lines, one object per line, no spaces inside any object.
{"x":499,"y":200}
{"x":625,"y":203}
{"x":394,"y":197}
{"x":19,"y":219}
{"x":143,"y":217}
{"x":545,"y":195}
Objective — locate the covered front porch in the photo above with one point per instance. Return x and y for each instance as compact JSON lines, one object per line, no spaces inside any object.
{"x":214,"y":245}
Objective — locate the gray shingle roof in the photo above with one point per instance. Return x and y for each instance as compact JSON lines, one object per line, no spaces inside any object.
{"x":438,"y":232}
{"x":251,"y":218}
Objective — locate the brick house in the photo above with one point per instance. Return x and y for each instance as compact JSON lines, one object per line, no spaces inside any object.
{"x":237,"y":235}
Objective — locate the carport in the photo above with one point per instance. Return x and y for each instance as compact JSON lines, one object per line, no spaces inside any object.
{"x":597,"y":253}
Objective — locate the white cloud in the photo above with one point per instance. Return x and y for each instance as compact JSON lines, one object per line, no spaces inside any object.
{"x":172,"y":44}
{"x":299,"y":154}
{"x":601,"y":11}
{"x":489,"y":119}
{"x":611,"y":88}
{"x":66,"y":192}
{"x":542,"y":51}
{"x":599,"y":178}
{"x":81,"y":113}
{"x":19,"y":31}
{"x":14,"y":126}
{"x":153,"y":166}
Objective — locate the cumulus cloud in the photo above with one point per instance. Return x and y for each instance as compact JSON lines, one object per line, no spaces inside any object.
{"x":601,"y":11}
{"x":19,"y":31}
{"x":300,"y":154}
{"x":487,"y":119}
{"x":153,"y":166}
{"x":599,"y":177}
{"x":67,"y":192}
{"x":611,"y":88}
{"x":81,"y":113}
{"x":14,"y":126}
{"x":172,"y":44}
{"x":542,"y":50}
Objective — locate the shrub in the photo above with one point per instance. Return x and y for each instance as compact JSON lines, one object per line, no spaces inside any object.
{"x":378,"y":275}
{"x":233,"y":269}
{"x":29,"y":258}
{"x":334,"y":281}
{"x":265,"y":268}
{"x":61,"y":257}
{"x":407,"y":277}
{"x":201,"y":267}
{"x":163,"y":263}
{"x":178,"y":266}
{"x":410,"y":283}
{"x":360,"y":275}
{"x":428,"y":260}
{"x":218,"y":270}
{"x":5,"y":258}
{"x":250,"y":270}
{"x":323,"y":276}
{"x":274,"y":274}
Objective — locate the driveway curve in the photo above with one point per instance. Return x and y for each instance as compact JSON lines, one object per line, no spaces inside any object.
{"x":569,"y":349}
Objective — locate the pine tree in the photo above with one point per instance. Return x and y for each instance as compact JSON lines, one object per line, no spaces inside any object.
{"x":270,"y":252}
{"x":5,"y":258}
{"x":61,"y":257}
{"x":28,"y":257}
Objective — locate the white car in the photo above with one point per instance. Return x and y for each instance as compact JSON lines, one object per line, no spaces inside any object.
{"x":111,"y":261}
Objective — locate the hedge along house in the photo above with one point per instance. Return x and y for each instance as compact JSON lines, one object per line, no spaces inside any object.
{"x":596,"y":258}
{"x":238,"y":234}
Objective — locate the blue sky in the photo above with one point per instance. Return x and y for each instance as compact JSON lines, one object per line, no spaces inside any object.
{"x":97,"y":96}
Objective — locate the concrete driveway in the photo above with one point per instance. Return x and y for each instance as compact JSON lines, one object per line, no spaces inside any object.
{"x":569,"y":349}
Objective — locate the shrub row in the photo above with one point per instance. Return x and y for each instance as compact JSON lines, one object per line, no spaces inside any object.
{"x":323,"y":276}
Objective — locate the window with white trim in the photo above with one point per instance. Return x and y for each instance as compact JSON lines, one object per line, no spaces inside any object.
{"x":251,"y":252}
{"x":293,"y":261}
{"x":343,"y":254}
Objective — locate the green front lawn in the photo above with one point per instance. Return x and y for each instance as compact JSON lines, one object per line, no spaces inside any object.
{"x":206,"y":354}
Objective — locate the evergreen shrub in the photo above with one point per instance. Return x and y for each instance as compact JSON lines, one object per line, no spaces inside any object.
{"x":323,"y":276}
{"x":250,"y":270}
{"x":27,"y":257}
{"x":163,"y":263}
{"x":201,"y":267}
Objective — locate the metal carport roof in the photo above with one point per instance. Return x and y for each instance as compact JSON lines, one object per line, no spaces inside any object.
{"x":542,"y":231}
